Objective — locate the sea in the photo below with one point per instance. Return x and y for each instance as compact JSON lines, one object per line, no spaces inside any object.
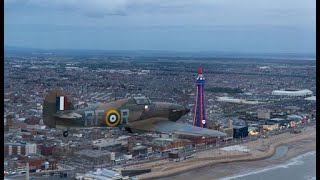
{"x":302,"y":167}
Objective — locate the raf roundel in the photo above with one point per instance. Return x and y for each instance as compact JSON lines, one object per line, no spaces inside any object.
{"x":112,"y":118}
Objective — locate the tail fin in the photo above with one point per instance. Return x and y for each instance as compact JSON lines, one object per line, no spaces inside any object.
{"x":55,"y":100}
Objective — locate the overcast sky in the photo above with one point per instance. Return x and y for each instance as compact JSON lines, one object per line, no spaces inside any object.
{"x":178,"y":25}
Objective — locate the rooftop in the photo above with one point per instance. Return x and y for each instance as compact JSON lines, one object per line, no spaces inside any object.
{"x":106,"y":142}
{"x":92,"y":153}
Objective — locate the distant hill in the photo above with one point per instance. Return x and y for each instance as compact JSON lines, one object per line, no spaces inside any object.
{"x":14,"y":50}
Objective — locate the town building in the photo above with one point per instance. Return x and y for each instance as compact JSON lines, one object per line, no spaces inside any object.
{"x":165,"y":144}
{"x":263,"y":114}
{"x":19,"y":149}
{"x":240,"y":131}
{"x":292,"y":92}
{"x":110,"y":144}
{"x":95,"y":156}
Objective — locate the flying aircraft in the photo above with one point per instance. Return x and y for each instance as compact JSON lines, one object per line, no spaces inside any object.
{"x":134,"y":114}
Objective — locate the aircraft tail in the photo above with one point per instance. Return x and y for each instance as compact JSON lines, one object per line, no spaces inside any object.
{"x":55,"y":101}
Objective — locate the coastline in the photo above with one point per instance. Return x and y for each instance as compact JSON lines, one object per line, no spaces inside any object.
{"x":260,"y":150}
{"x":299,"y":148}
{"x":261,"y":168}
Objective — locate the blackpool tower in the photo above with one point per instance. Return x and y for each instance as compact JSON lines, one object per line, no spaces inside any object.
{"x":199,"y":115}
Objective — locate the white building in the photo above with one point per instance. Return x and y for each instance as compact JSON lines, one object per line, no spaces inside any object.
{"x":31,"y":149}
{"x":19,"y":148}
{"x":102,"y":174}
{"x":107,"y":144}
{"x":311,"y":98}
{"x":237,"y":101}
{"x":304,"y":92}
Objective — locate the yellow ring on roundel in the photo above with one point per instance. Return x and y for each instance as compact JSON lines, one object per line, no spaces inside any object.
{"x":107,"y":118}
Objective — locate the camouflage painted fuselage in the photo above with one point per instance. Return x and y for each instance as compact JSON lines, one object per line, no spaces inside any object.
{"x":130,"y":112}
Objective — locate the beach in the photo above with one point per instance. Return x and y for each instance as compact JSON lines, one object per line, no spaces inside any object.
{"x":216,"y":163}
{"x":241,"y":170}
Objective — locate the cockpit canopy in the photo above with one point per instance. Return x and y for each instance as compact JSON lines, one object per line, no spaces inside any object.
{"x":142,"y":100}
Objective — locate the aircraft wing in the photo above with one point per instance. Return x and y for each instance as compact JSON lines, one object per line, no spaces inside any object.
{"x":67,"y":115}
{"x":167,"y":126}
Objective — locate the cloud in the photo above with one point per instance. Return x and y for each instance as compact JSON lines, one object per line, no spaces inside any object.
{"x":97,"y":8}
{"x":92,"y":8}
{"x":185,"y":24}
{"x":171,"y":12}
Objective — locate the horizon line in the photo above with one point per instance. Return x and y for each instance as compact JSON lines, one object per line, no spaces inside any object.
{"x":155,"y":50}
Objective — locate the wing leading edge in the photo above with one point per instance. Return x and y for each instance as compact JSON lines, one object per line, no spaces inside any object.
{"x":178,"y":128}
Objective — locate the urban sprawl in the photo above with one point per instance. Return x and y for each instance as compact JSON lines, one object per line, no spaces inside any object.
{"x":246,"y":98}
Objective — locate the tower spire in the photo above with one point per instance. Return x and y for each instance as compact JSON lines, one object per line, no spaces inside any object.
{"x":199,"y":116}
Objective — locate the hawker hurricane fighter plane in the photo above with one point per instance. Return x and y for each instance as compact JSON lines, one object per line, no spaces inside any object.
{"x":134,"y":114}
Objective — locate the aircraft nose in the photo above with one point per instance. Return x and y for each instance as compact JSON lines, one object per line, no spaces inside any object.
{"x":186,"y":110}
{"x":177,"y":110}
